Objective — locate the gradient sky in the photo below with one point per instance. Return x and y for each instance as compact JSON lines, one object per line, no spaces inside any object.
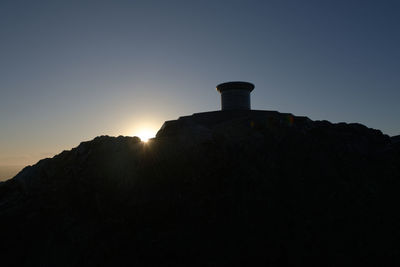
{"x":73,"y":70}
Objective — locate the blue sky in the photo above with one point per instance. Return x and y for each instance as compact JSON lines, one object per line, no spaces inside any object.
{"x":73,"y":70}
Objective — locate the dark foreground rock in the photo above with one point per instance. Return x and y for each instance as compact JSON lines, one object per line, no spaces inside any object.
{"x":223,"y":189}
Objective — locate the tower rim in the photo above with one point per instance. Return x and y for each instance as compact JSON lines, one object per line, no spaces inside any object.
{"x":235,"y":85}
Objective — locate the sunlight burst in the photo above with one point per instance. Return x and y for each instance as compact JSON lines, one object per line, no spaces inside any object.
{"x":145,"y":135}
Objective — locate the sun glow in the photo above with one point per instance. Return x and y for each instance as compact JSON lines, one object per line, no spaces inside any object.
{"x":145,"y":135}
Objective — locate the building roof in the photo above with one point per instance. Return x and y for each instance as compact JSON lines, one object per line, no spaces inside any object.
{"x":235,"y":86}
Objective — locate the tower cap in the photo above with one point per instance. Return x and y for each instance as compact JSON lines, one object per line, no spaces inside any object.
{"x":235,"y":86}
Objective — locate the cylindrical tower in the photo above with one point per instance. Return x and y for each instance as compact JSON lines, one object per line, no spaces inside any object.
{"x":235,"y":95}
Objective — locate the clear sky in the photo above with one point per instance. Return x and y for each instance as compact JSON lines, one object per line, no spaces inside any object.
{"x":73,"y":70}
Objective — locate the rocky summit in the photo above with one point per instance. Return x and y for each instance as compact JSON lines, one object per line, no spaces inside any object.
{"x":226,"y":188}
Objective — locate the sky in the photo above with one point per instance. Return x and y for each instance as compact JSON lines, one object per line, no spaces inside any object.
{"x":74,"y":70}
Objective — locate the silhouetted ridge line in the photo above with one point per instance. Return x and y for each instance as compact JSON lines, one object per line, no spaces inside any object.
{"x":213,"y":188}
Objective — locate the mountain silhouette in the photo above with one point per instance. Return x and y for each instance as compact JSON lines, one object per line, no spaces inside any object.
{"x":219,"y":188}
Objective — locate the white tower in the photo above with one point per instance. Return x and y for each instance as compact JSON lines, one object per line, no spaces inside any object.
{"x":235,"y":95}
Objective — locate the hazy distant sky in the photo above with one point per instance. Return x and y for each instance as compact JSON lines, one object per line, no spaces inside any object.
{"x":73,"y":70}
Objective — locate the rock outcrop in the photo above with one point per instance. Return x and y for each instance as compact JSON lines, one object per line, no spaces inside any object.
{"x":212,"y":189}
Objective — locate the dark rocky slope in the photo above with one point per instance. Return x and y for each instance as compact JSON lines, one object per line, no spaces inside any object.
{"x":213,"y":189}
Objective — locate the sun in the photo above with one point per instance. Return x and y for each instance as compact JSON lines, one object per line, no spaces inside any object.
{"x":145,"y":135}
